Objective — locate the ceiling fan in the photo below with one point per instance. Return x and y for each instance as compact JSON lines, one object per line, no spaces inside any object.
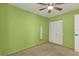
{"x":51,"y":6}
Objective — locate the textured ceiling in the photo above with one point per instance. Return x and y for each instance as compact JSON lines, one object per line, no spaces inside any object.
{"x":34,"y":8}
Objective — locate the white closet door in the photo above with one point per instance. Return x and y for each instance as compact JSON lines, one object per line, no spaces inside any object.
{"x":51,"y":32}
{"x":55,"y":32}
{"x":59,"y":32}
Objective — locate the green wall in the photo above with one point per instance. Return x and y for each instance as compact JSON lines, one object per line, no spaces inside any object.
{"x":3,"y":28}
{"x":20,"y":29}
{"x":68,"y":27}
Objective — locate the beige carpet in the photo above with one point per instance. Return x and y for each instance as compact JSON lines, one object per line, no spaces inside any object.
{"x":47,"y":49}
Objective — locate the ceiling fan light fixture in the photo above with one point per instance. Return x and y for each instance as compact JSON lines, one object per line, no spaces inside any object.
{"x":50,"y":7}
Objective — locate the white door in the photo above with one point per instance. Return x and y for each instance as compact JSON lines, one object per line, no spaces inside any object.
{"x":76,"y":33}
{"x":55,"y":32}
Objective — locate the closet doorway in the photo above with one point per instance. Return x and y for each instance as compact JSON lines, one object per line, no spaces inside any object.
{"x":56,"y":32}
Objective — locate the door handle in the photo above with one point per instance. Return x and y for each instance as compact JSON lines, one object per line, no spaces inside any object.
{"x":76,"y":34}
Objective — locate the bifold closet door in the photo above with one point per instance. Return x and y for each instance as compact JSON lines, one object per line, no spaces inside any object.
{"x":55,"y":32}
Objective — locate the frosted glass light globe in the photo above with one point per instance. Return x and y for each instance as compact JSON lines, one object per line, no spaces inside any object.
{"x":50,"y":7}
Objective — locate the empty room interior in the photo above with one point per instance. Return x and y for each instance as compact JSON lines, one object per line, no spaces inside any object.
{"x":39,"y":29}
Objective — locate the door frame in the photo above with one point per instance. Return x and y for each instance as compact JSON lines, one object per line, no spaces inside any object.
{"x":75,"y":49}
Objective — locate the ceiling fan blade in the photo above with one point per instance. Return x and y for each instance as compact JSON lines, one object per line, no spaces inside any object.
{"x":42,"y":3}
{"x":50,"y":4}
{"x":42,"y":9}
{"x":59,"y":3}
{"x":57,"y":8}
{"x":49,"y":11}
